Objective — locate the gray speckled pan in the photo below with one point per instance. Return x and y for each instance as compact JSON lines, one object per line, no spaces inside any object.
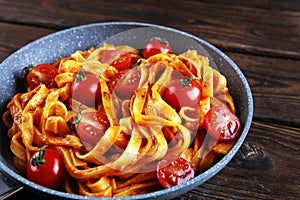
{"x":63,"y":43}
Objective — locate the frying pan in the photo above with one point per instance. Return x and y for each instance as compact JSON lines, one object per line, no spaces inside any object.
{"x":63,"y":43}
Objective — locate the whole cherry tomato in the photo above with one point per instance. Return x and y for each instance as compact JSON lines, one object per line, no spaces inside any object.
{"x":222,"y":124}
{"x":183,"y":92}
{"x":41,"y":74}
{"x":46,"y":168}
{"x":155,"y":46}
{"x":118,"y":59}
{"x":86,"y":89}
{"x":91,"y":126}
{"x":128,"y":83}
{"x":172,"y":171}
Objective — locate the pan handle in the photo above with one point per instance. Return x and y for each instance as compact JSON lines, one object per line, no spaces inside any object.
{"x":8,"y":187}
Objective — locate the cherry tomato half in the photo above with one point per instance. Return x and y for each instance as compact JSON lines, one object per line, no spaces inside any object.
{"x":172,"y":171}
{"x":41,"y":74}
{"x":118,"y":59}
{"x":222,"y":124}
{"x":92,"y":126}
{"x":128,"y":83}
{"x":46,"y":168}
{"x":86,"y":89}
{"x":180,"y":94}
{"x":155,"y":46}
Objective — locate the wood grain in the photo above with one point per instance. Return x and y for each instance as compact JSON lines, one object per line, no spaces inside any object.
{"x":15,"y":36}
{"x":275,"y":85}
{"x":261,"y":37}
{"x":225,"y":25}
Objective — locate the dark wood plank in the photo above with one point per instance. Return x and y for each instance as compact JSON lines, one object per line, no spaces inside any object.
{"x":244,"y":27}
{"x":275,"y":85}
{"x":13,"y":37}
{"x":274,"y":5}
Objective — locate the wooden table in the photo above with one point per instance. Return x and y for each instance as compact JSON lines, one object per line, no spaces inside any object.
{"x":262,"y":37}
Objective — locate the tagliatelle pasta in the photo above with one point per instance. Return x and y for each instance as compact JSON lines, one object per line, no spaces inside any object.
{"x":142,"y":128}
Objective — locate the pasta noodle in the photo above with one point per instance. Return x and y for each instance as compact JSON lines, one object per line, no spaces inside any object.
{"x":143,"y":128}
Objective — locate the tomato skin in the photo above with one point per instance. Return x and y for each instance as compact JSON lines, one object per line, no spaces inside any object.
{"x":118,"y":59}
{"x":51,"y":174}
{"x":86,"y":89}
{"x":123,"y":62}
{"x":122,"y":141}
{"x":41,"y":74}
{"x":155,"y":46}
{"x":172,"y":171}
{"x":128,"y":83}
{"x":177,"y":95}
{"x":222,"y":124}
{"x":92,"y":126}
